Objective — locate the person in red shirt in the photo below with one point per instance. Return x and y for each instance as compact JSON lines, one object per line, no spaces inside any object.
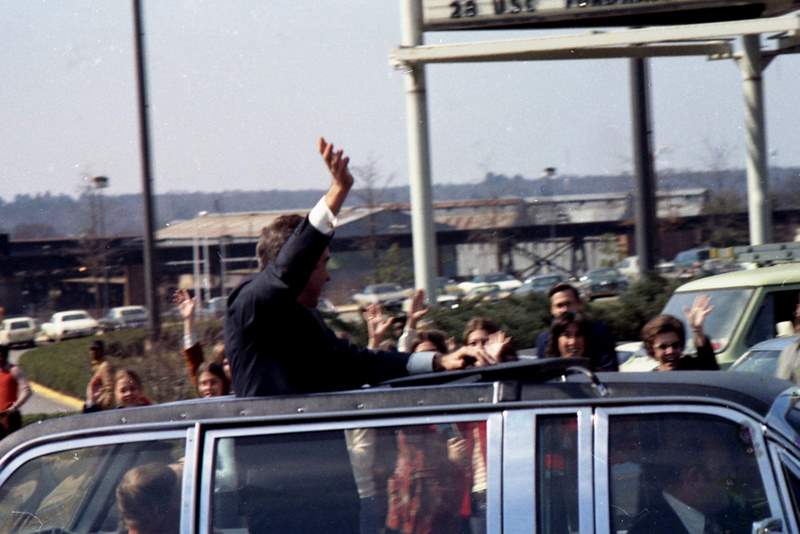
{"x":14,"y":392}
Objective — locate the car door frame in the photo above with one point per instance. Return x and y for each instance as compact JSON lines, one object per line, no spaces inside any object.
{"x":211,"y":436}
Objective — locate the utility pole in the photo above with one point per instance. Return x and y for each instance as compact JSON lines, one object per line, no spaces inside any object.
{"x":150,"y":271}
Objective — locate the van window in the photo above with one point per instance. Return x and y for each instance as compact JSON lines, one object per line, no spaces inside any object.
{"x":670,"y":470}
{"x":777,"y":306}
{"x":728,"y":305}
{"x":425,"y":478}
{"x":76,"y":490}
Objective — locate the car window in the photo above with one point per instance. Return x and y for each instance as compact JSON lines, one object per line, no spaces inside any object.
{"x":20,"y":325}
{"x":75,"y":317}
{"x":667,"y":470}
{"x":423,"y":478}
{"x":728,"y":305}
{"x":132,"y":313}
{"x":777,"y":306}
{"x":75,"y":490}
{"x":759,"y":361}
{"x":557,"y":482}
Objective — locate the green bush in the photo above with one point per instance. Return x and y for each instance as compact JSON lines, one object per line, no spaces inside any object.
{"x":65,"y":366}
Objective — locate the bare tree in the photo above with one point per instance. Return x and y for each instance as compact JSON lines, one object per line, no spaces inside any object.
{"x":371,"y":193}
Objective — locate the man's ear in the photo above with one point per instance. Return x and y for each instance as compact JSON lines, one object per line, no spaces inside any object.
{"x":695,"y":474}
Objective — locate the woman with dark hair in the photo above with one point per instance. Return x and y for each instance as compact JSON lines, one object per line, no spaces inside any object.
{"x":567,"y":338}
{"x":212,"y":380}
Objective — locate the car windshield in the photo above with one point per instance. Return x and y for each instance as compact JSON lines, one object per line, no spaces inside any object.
{"x":603,"y":274}
{"x":764,"y":362}
{"x":132,"y":313}
{"x":75,"y":317}
{"x":728,"y":304}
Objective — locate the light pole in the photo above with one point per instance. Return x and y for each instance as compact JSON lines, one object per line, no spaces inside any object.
{"x":197,"y":257}
{"x":548,"y":173}
{"x":99,"y":183}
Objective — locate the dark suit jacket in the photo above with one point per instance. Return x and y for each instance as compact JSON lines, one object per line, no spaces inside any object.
{"x":600,"y":347}
{"x":658,"y":518}
{"x":277,"y":347}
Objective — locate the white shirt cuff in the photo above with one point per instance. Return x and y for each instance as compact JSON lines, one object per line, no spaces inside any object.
{"x":420,"y":362}
{"x":322,"y":218}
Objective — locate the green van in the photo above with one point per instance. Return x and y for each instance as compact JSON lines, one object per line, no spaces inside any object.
{"x":748,"y":305}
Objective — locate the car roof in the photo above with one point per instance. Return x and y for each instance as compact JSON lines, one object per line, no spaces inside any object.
{"x":787,"y":273}
{"x":523,"y":384}
{"x":776,"y":343}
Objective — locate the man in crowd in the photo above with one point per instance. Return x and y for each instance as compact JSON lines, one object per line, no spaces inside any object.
{"x":275,"y":339}
{"x":664,"y":339}
{"x":600,"y":344}
{"x":789,"y":359}
{"x":14,"y":392}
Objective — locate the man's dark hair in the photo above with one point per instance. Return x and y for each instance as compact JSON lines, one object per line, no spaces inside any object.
{"x":4,"y":352}
{"x":563,"y":286}
{"x":98,"y":349}
{"x":148,"y":498}
{"x":274,"y":236}
{"x":436,"y":337}
{"x":662,"y":324}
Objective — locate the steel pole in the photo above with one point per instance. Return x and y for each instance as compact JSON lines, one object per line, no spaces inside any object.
{"x":644,"y":173}
{"x":758,"y":204}
{"x":419,"y":172}
{"x":196,"y":266}
{"x":150,"y":271}
{"x":207,"y":273}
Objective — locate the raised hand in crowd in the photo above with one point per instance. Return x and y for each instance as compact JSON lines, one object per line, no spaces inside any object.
{"x":498,"y":347}
{"x":417,"y":309}
{"x":378,"y":324}
{"x":696,"y":317}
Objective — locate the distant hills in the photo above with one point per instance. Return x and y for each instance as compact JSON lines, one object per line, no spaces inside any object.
{"x":47,"y":215}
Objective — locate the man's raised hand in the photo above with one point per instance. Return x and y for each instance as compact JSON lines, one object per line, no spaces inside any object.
{"x":341,"y":179}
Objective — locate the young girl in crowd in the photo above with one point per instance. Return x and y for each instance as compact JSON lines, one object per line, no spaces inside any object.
{"x":567,"y":336}
{"x":128,"y":391}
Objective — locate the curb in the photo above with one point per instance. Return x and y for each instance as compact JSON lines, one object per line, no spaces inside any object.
{"x":55,"y":396}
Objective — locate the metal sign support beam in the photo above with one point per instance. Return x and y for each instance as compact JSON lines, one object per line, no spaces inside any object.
{"x":643,"y":169}
{"x":758,"y":204}
{"x":419,"y":167}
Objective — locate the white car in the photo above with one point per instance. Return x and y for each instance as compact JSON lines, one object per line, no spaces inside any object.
{"x":125,"y":317}
{"x":18,"y":331}
{"x":504,"y":281}
{"x":72,"y":323}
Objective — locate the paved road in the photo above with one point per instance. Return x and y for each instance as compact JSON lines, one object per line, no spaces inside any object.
{"x":38,"y":403}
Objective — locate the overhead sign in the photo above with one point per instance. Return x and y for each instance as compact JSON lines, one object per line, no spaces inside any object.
{"x":494,"y":14}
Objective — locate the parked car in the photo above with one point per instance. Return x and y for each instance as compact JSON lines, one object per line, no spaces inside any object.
{"x":387,"y":294}
{"x":72,"y":323}
{"x":484,"y":293}
{"x":762,"y":357}
{"x":559,"y":451}
{"x":125,"y":317}
{"x":603,"y":282}
{"x":504,"y":281}
{"x":18,"y":331}
{"x":538,"y":284}
{"x":748,"y":306}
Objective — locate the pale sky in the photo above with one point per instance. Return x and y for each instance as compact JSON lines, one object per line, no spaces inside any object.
{"x":240,"y":90}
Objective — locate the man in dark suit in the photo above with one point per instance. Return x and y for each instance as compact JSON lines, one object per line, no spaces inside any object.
{"x":278,"y":344}
{"x":600,"y":344}
{"x":697,"y":470}
{"x":275,"y":339}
